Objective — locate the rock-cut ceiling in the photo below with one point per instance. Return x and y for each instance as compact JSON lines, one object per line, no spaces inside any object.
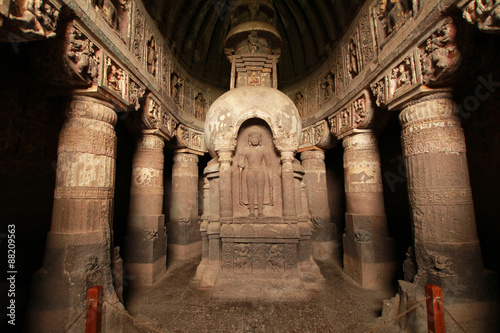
{"x":196,"y":29}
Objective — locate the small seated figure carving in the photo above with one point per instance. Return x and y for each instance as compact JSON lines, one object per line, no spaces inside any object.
{"x":251,"y":159}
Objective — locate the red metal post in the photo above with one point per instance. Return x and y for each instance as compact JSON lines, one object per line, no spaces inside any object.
{"x":94,"y":309}
{"x":435,"y":312}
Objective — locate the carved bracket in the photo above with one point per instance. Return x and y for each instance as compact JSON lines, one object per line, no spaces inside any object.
{"x":357,"y":114}
{"x":430,"y":63}
{"x":28,"y":20}
{"x":484,"y":14}
{"x":317,"y":135}
{"x":156,"y":117}
{"x":190,"y":138}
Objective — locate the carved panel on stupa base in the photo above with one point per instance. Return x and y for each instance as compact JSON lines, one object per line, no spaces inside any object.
{"x":256,"y":173}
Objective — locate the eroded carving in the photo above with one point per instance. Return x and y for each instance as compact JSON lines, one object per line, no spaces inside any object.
{"x":328,"y":86}
{"x":35,"y":19}
{"x":352,"y":58}
{"x":392,"y":15}
{"x":138,"y":38}
{"x":177,"y":85}
{"x":136,"y":94}
{"x":115,"y":77}
{"x":200,"y":105}
{"x":484,"y":13}
{"x":152,"y":56}
{"x":298,"y":100}
{"x":83,"y":54}
{"x":107,"y":10}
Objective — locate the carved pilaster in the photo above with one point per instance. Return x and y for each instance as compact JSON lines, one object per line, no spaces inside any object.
{"x":225,"y":183}
{"x":288,"y":185}
{"x":146,"y":241}
{"x":446,"y":245}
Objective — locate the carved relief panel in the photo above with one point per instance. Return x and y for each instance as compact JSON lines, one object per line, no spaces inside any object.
{"x":390,"y":15}
{"x":137,"y":35}
{"x":84,"y":57}
{"x":190,"y":138}
{"x":156,"y":116}
{"x":357,"y":114}
{"x":327,"y":87}
{"x":316,"y":135}
{"x":176,"y":88}
{"x":152,"y":55}
{"x":200,"y":105}
{"x":115,"y":78}
{"x":353,"y":61}
{"x":298,"y":100}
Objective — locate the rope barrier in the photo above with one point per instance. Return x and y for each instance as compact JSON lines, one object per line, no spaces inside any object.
{"x":73,"y":323}
{"x":397,"y":317}
{"x":452,"y":318}
{"x":134,"y":319}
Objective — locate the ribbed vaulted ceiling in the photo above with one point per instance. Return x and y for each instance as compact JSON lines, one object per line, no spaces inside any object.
{"x":196,"y":30}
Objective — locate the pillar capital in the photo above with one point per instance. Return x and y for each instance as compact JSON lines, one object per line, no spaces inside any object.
{"x":312,"y":155}
{"x":225,"y":156}
{"x":287,"y":156}
{"x":360,"y":140}
{"x":430,"y":107}
{"x":91,"y":108}
{"x":182,"y":156}
{"x":148,"y":140}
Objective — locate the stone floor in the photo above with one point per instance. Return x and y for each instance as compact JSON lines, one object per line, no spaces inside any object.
{"x":174,"y":304}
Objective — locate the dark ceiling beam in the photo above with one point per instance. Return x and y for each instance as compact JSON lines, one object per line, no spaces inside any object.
{"x":314,"y":20}
{"x":341,"y":13}
{"x":216,"y":57}
{"x":198,"y":23}
{"x":294,"y":36}
{"x":327,"y":12}
{"x":182,"y":25}
{"x":205,"y":38}
{"x":287,"y":59}
{"x":308,"y":40}
{"x":169,"y":18}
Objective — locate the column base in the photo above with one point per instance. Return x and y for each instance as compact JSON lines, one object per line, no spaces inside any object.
{"x":73,"y":263}
{"x":184,"y":252}
{"x":369,"y":259}
{"x":329,"y":250}
{"x":147,"y":273}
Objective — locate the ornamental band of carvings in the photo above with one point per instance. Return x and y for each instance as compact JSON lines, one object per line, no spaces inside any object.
{"x":190,"y":138}
{"x":316,"y":135}
{"x":247,"y":257}
{"x":84,"y":57}
{"x":155,"y":116}
{"x":483,"y":13}
{"x":357,"y":114}
{"x":29,"y":20}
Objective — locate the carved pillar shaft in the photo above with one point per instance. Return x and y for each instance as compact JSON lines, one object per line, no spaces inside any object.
{"x":368,"y":250}
{"x":146,"y":241}
{"x":288,"y":184}
{"x":444,"y":227}
{"x":184,"y":232}
{"x":324,"y":236}
{"x":78,"y":248}
{"x":225,"y":184}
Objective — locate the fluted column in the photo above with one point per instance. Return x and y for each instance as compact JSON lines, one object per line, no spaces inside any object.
{"x":78,"y":248}
{"x":147,"y":239}
{"x":289,"y":211}
{"x":325,"y":242}
{"x":184,"y":229}
{"x":368,"y":250}
{"x":447,"y":249}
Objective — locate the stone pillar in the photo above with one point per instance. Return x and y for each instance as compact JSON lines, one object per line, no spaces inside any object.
{"x":184,"y":238}
{"x":289,"y":211}
{"x":368,"y":251}
{"x":147,"y":239}
{"x":447,"y":248}
{"x":78,"y":248}
{"x":325,"y":244}
{"x":225,"y":184}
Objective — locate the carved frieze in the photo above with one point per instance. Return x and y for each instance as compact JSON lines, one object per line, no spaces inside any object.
{"x":401,"y":77}
{"x":84,"y":57}
{"x":190,"y":138}
{"x":484,"y":14}
{"x":357,"y":114}
{"x":156,"y":117}
{"x":367,"y":40}
{"x":353,"y":57}
{"x":29,"y":20}
{"x":327,"y":86}
{"x":200,"y":106}
{"x":176,"y":88}
{"x":138,"y":32}
{"x":152,"y":55}
{"x":115,"y":78}
{"x":107,"y":10}
{"x":390,"y":16}
{"x":136,"y":94}
{"x":438,"y":54}
{"x":298,"y":100}
{"x":316,"y":135}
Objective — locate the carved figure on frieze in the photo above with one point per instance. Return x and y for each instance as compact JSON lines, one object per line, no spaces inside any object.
{"x":79,"y":50}
{"x":197,"y":140}
{"x":378,"y":90}
{"x":124,"y":4}
{"x":352,"y":59}
{"x":36,"y":19}
{"x":345,"y":116}
{"x":484,"y":13}
{"x":328,"y":86}
{"x":115,"y":77}
{"x":152,"y":57}
{"x":298,"y":100}
{"x":252,"y":159}
{"x":275,"y":257}
{"x":176,"y":83}
{"x":334,"y":125}
{"x":439,"y":53}
{"x":400,"y":77}
{"x":242,"y":256}
{"x":306,"y":137}
{"x":153,"y":112}
{"x":184,"y":134}
{"x":392,"y":14}
{"x":108,"y":11}
{"x":136,"y":94}
{"x":360,"y":111}
{"x":319,"y":131}
{"x":200,"y":105}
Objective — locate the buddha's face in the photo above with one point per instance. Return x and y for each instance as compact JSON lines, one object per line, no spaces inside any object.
{"x":255,"y":139}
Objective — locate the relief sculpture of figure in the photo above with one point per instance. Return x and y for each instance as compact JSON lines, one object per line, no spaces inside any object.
{"x":251,"y":160}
